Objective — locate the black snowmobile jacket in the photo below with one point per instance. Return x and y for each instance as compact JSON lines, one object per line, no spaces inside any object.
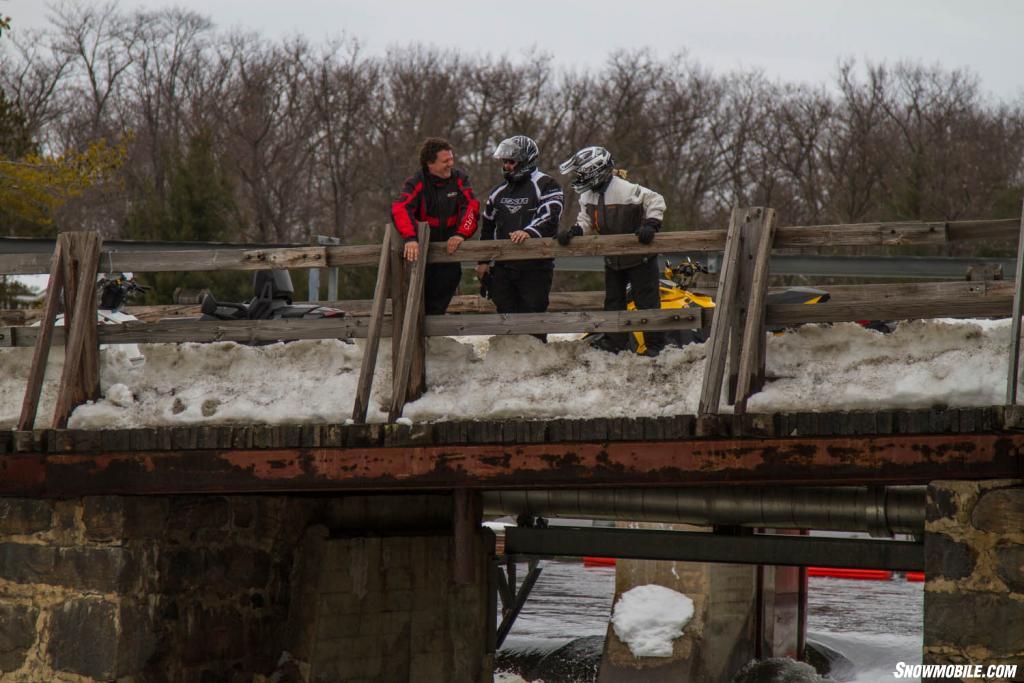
{"x":533,"y":204}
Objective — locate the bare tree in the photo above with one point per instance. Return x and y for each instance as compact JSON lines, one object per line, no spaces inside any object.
{"x":318,"y":138}
{"x":267,"y":124}
{"x":32,"y":73}
{"x":341,"y":87}
{"x":859,"y":146}
{"x":99,"y":43}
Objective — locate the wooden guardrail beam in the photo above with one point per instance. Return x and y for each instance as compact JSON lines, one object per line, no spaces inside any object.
{"x":464,"y":303}
{"x":840,"y":235}
{"x":246,"y":331}
{"x":996,"y":304}
{"x":781,"y":315}
{"x":594,"y":300}
{"x":170,"y":331}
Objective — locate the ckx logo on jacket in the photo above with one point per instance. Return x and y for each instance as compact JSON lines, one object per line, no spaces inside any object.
{"x":513,"y":204}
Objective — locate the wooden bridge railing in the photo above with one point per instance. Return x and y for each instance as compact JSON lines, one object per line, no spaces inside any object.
{"x":989,"y":298}
{"x":794,"y":237}
{"x":741,"y":288}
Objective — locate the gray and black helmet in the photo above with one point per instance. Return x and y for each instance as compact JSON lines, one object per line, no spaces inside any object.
{"x":591,"y":168}
{"x":523,"y":151}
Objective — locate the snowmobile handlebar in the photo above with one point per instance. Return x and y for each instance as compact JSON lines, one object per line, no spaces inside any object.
{"x":114,"y":292}
{"x":685,"y":272}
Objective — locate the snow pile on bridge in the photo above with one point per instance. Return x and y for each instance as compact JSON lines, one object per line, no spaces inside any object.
{"x":838,"y":367}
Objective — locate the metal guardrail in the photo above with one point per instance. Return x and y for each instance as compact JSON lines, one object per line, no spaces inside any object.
{"x":919,"y":267}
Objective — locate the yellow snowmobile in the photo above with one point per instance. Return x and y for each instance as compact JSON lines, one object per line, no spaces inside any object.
{"x":675,"y":291}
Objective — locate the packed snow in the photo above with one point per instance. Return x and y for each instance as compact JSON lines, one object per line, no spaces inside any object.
{"x":816,"y":367}
{"x":649,"y":617}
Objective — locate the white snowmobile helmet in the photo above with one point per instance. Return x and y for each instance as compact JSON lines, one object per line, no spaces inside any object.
{"x":591,"y":166}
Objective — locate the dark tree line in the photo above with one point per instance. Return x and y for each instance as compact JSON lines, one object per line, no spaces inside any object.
{"x":236,"y":137}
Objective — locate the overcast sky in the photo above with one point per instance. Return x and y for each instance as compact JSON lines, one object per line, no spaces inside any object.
{"x":796,"y":41}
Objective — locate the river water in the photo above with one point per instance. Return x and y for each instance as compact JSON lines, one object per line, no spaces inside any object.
{"x":873,"y":624}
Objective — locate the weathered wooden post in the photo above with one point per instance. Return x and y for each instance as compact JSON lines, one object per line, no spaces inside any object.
{"x":757,"y":250}
{"x":737,"y":337}
{"x":54,"y":291}
{"x":73,"y":279}
{"x":80,"y":381}
{"x":1018,"y":310}
{"x":408,"y":344}
{"x":380,"y":296}
{"x":725,"y":315}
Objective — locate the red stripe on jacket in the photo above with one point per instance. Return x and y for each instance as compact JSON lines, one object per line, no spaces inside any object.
{"x":402,"y":210}
{"x":467,"y":226}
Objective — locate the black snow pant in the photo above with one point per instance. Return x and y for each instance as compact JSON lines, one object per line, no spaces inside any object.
{"x":515,"y":290}
{"x":643,"y":279}
{"x":441,"y":285}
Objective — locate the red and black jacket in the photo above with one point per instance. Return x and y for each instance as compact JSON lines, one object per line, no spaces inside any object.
{"x":446,"y":204}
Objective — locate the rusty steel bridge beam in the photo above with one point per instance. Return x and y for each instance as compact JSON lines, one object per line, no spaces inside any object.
{"x":890,"y":459}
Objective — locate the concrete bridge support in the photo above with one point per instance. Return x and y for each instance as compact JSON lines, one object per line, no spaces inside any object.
{"x":974,"y":563}
{"x":740,"y":612}
{"x":229,"y":588}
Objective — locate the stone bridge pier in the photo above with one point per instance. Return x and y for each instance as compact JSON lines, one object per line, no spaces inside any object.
{"x":241,"y":588}
{"x":306,"y":588}
{"x":974,"y":563}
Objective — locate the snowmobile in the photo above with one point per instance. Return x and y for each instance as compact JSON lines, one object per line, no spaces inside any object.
{"x":272,"y":300}
{"x":113,"y":292}
{"x":675,"y":290}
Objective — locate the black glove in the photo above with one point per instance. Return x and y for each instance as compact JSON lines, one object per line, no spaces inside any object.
{"x":566,"y":236}
{"x":645,"y":233}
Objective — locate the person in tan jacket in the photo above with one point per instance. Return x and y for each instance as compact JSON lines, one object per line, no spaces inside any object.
{"x":611,"y":205}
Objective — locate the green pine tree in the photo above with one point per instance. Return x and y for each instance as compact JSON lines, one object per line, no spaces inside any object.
{"x":13,"y":293}
{"x":197,"y":206}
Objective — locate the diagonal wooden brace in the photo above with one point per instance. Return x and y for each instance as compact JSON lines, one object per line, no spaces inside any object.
{"x":54,"y":290}
{"x":750,"y":374}
{"x":369,"y":364}
{"x":411,"y":338}
{"x":725,"y":314}
{"x":80,"y":352}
